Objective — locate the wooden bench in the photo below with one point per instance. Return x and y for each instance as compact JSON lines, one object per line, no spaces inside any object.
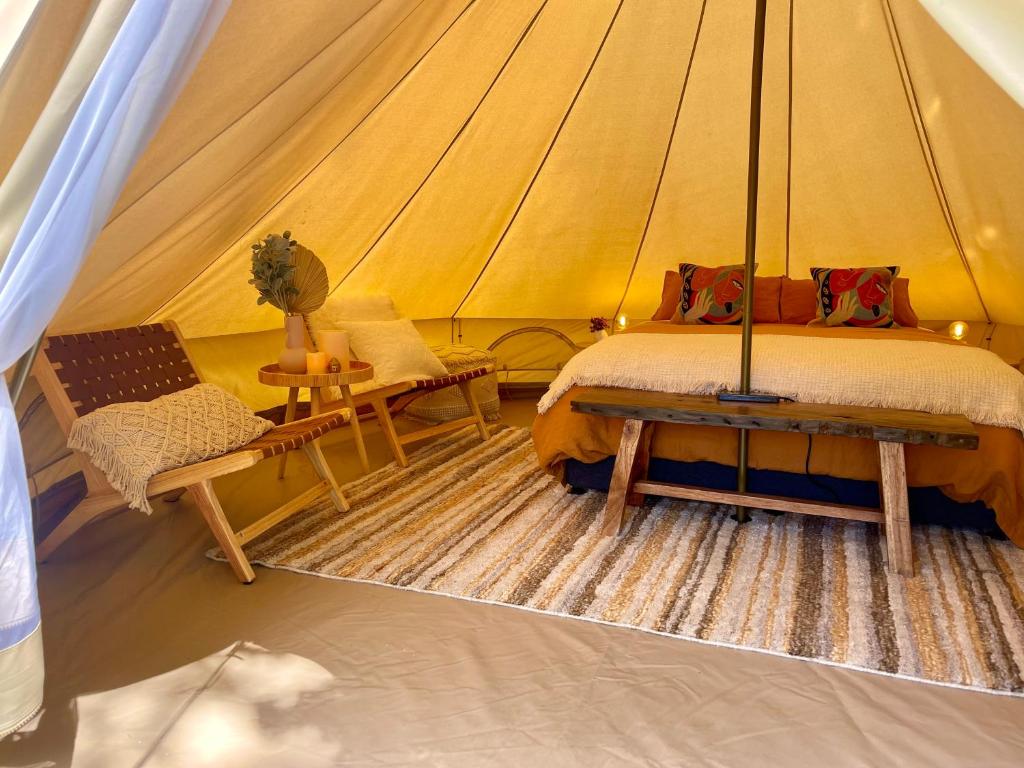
{"x":890,"y":428}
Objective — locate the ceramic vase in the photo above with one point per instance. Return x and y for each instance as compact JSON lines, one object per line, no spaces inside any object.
{"x":598,"y":335}
{"x":293,"y":357}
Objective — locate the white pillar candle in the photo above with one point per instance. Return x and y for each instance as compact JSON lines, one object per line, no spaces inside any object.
{"x":335,"y":345}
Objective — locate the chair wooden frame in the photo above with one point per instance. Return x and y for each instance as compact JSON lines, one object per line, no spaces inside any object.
{"x":82,"y":372}
{"x":389,"y":401}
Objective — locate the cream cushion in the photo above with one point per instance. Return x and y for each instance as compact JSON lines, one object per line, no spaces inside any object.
{"x":131,"y":442}
{"x":351,"y":307}
{"x":395,"y":348}
{"x":342,"y":308}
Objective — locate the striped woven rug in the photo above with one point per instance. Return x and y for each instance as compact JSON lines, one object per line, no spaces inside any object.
{"x":481,"y":521}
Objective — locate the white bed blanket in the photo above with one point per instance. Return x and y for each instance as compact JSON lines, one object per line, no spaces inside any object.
{"x":915,"y":375}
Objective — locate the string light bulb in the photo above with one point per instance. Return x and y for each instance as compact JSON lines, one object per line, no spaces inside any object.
{"x":958,"y":330}
{"x":621,"y":322}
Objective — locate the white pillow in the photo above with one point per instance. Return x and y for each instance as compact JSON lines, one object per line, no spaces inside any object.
{"x":341,"y":307}
{"x":395,"y":348}
{"x":351,"y":307}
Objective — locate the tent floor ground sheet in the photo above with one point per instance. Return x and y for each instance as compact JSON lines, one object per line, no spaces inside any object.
{"x":156,"y":656}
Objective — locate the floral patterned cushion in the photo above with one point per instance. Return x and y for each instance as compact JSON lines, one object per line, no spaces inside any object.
{"x":859,"y":296}
{"x":710,"y":295}
{"x":767,"y":295}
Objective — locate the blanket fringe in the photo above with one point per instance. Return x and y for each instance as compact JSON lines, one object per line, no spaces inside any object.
{"x":104,"y":458}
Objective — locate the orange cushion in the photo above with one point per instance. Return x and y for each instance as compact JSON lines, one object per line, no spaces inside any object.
{"x":905,"y":314}
{"x":669,"y":295}
{"x":799,"y":302}
{"x":767,"y":294}
{"x":767,"y":298}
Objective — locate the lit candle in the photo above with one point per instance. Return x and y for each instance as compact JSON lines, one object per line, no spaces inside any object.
{"x":622,"y":321}
{"x":958,"y":330}
{"x":316,"y":362}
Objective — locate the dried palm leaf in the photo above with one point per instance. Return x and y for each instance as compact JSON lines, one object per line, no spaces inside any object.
{"x":309,"y":280}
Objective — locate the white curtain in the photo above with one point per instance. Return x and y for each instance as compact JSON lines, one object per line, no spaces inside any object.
{"x":148,"y":59}
{"x":991,"y":32}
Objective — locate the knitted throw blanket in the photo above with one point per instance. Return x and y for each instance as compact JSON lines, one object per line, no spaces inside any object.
{"x":914,"y":375}
{"x":131,"y":442}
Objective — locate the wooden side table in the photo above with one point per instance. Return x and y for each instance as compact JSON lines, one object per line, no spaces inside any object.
{"x":358,"y":371}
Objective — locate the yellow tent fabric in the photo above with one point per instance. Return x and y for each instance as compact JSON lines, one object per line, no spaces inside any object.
{"x":551,"y":158}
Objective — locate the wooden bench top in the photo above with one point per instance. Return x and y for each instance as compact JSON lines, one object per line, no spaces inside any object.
{"x":881,"y":424}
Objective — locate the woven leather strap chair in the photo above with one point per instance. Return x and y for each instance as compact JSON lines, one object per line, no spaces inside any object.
{"x":389,"y":401}
{"x":82,"y":372}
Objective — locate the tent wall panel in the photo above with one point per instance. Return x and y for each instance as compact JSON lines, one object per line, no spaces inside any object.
{"x":141,"y":266}
{"x":31,"y":73}
{"x":977,"y":132}
{"x":346,"y":201}
{"x":699,"y":215}
{"x":569,"y":250}
{"x":257,"y":55}
{"x":453,"y":223}
{"x":66,"y":74}
{"x":863,"y":195}
{"x":398,"y":139}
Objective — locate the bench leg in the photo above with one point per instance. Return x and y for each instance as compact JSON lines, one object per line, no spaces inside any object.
{"x":357,"y":431}
{"x":208,"y":504}
{"x":896,"y":507}
{"x":627,"y":465}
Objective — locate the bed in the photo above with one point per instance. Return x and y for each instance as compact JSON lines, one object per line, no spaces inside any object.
{"x":892,"y":367}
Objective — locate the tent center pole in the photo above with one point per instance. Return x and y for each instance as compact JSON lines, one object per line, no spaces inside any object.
{"x":756,"y":73}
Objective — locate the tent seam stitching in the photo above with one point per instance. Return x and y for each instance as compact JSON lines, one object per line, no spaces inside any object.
{"x":924,"y":141}
{"x":458,"y":135}
{"x":334,"y":149}
{"x":543,"y":160}
{"x":668,"y":154}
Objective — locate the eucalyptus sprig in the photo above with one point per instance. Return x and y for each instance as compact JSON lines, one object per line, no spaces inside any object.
{"x":273,"y":272}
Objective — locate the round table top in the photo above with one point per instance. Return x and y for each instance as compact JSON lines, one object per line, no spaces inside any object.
{"x":275,"y":377}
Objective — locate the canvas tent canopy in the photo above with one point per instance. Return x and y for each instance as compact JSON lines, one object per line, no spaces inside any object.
{"x":498,"y":163}
{"x":493,"y":164}
{"x":549,"y":158}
